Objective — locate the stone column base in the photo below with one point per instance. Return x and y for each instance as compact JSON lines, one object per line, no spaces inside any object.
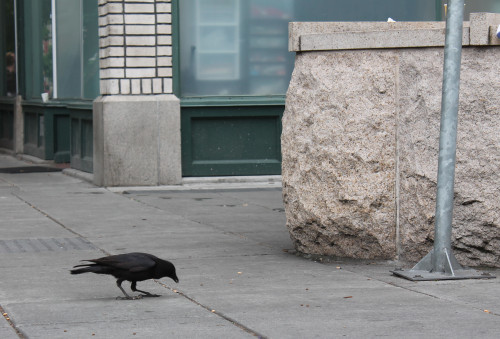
{"x":137,"y":140}
{"x":18,"y":126}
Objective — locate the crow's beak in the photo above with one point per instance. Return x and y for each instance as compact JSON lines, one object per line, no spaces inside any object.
{"x":176,"y":279}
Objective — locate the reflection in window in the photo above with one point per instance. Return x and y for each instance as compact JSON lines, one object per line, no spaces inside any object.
{"x":7,"y":49}
{"x":77,"y":57}
{"x":10,"y":73}
{"x":46,"y":36}
{"x":73,"y":72}
{"x":478,"y":6}
{"x":36,"y":39}
{"x":240,"y":47}
{"x":217,"y":40}
{"x":234,"y":47}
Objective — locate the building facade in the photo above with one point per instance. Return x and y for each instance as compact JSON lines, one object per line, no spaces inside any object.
{"x":145,"y":92}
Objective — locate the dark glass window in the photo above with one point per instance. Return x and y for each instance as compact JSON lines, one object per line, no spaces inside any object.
{"x":7,"y":49}
{"x":77,"y":58}
{"x":61,"y":47}
{"x":240,"y":47}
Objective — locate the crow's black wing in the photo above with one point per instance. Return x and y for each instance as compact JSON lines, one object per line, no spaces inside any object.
{"x":133,"y":262}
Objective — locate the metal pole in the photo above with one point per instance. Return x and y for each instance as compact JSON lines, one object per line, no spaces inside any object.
{"x":440,"y":263}
{"x":448,"y":133}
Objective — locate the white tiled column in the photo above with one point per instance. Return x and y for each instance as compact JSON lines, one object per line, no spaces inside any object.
{"x":135,"y":43}
{"x":137,"y":117}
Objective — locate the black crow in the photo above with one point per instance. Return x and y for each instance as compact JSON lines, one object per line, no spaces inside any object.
{"x":133,"y":267}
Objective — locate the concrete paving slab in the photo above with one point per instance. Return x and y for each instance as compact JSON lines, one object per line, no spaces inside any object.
{"x":4,"y":185}
{"x":107,"y":224}
{"x":6,"y":331}
{"x":157,"y":328}
{"x":133,"y":225}
{"x":260,"y":273}
{"x":39,"y":180}
{"x":85,"y":198}
{"x":109,"y":308}
{"x":7,"y":198}
{"x":425,"y":319}
{"x":32,"y":228}
{"x":7,"y":160}
{"x":232,"y":253}
{"x":252,"y":219}
{"x":245,"y":217}
{"x":184,"y":245}
{"x":20,"y":220}
{"x":198,"y":204}
{"x":19,"y":211}
{"x":195,"y":199}
{"x":311,"y":300}
{"x":40,"y":276}
{"x":479,"y":294}
{"x":110,"y":318}
{"x":46,"y":259}
{"x":271,"y":200}
{"x":274,"y":239}
{"x":110,"y":214}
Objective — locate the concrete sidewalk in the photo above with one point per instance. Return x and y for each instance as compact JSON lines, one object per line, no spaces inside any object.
{"x":239,"y":276}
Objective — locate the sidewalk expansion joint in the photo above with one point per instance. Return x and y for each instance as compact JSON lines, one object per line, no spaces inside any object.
{"x":407,"y":288}
{"x":11,"y":323}
{"x":59,"y":223}
{"x":208,"y":224}
{"x":458,"y":302}
{"x":215,"y":312}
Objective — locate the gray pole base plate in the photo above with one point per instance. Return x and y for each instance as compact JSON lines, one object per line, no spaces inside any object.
{"x":419,"y":275}
{"x":424,"y":269}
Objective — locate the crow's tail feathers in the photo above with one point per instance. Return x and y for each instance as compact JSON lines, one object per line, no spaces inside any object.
{"x":92,"y":268}
{"x":80,"y":270}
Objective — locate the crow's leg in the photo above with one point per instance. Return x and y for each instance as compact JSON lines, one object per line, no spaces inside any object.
{"x":146,"y":294}
{"x":119,"y":284}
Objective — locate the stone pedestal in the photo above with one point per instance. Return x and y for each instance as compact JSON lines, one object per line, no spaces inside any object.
{"x":137,"y":140}
{"x":360,"y":140}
